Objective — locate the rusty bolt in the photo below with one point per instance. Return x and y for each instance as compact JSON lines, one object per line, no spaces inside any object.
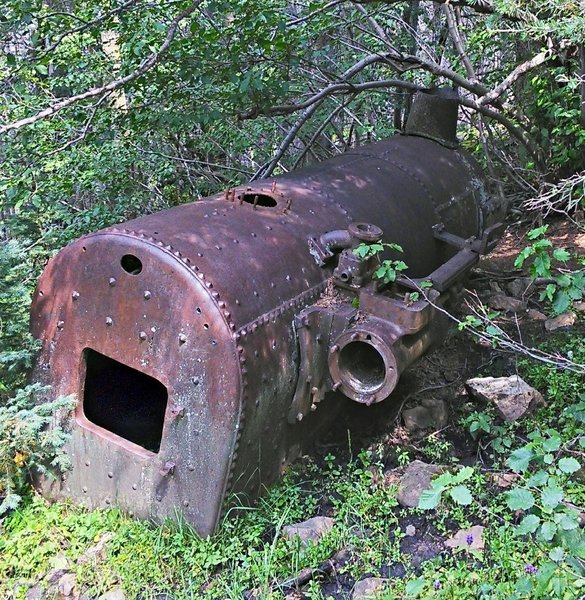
{"x":196,"y":380}
{"x":147,"y":295}
{"x":109,"y":321}
{"x":84,"y":489}
{"x":299,"y":416}
{"x":75,"y":296}
{"x":112,"y":281}
{"x":110,"y":475}
{"x":60,"y":324}
{"x":142,"y":335}
{"x":336,"y":386}
{"x":182,"y":338}
{"x":314,"y":390}
{"x":185,"y":503}
{"x":313,"y":407}
{"x":134,"y":486}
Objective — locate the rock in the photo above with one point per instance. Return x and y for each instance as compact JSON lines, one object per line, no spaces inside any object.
{"x":511,"y":396}
{"x":368,"y":588}
{"x":507,"y":303}
{"x":519,"y":286}
{"x":472,"y":539}
{"x":536,"y":315}
{"x":579,"y":306}
{"x":309,"y":531}
{"x":114,"y":594}
{"x":431,"y":413}
{"x":66,"y":586}
{"x":504,"y":480}
{"x":34,"y":593}
{"x":410,"y":530}
{"x":417,"y":478}
{"x":565,"y":320}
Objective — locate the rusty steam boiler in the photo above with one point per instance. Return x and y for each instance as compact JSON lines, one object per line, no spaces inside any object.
{"x":201,"y":342}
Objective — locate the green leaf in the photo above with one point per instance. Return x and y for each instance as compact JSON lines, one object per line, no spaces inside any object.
{"x":529,"y":524}
{"x":41,"y":69}
{"x":520,"y":499}
{"x":557,"y":554}
{"x":415,"y":587}
{"x":551,"y":444}
{"x":569,"y":520}
{"x":461,"y":495}
{"x":551,"y":496}
{"x":463,"y":474}
{"x":561,"y":302}
{"x":520,"y":459}
{"x":548,"y":530}
{"x":538,"y":479}
{"x":536,"y":233}
{"x":561,"y":254}
{"x":430,"y":499}
{"x":569,"y":465}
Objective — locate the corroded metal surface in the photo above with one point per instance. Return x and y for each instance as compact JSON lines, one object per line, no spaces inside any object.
{"x":196,"y":340}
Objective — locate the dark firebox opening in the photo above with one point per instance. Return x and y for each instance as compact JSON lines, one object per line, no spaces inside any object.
{"x":124,"y":401}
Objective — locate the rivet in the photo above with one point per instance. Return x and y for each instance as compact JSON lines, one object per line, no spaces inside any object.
{"x":75,"y":295}
{"x":221,"y":304}
{"x":158,"y":498}
{"x":300,"y":416}
{"x":107,"y":501}
{"x":313,"y":407}
{"x":87,"y":463}
{"x":110,"y":475}
{"x":60,"y":324}
{"x":190,"y":467}
{"x":134,"y":486}
{"x":147,"y":295}
{"x":240,"y":349}
{"x":185,"y":503}
{"x":84,"y":490}
{"x":238,"y":302}
{"x":257,"y":402}
{"x":112,"y":281}
{"x":195,"y":380}
{"x":256,"y":354}
{"x":182,"y":338}
{"x":256,"y":293}
{"x":287,"y":277}
{"x":318,"y":338}
{"x":109,"y":321}
{"x":142,"y":335}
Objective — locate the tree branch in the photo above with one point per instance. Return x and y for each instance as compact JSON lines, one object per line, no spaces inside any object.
{"x":481,"y":6}
{"x":520,"y":70}
{"x":144,"y":66}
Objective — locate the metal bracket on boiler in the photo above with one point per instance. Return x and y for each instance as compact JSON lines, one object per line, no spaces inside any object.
{"x":362,"y":352}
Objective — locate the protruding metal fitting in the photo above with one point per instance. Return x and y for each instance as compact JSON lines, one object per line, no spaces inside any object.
{"x":314,"y":390}
{"x":147,"y":295}
{"x":112,"y":281}
{"x":313,"y":407}
{"x":142,"y":335}
{"x":354,"y":337}
{"x":168,"y":469}
{"x":196,"y":380}
{"x":109,"y":321}
{"x":60,"y":324}
{"x":110,"y":475}
{"x":182,"y":338}
{"x":75,"y":296}
{"x":334,"y":349}
{"x":300,"y":416}
{"x":336,"y":386}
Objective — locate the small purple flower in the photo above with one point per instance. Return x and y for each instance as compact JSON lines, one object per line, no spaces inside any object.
{"x":437,"y":584}
{"x":469,"y":539}
{"x":531,"y":569}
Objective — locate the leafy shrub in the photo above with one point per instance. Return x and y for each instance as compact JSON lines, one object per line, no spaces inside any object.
{"x":28,"y":441}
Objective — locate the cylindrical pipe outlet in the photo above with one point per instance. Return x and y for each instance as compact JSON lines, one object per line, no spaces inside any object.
{"x":364,"y":365}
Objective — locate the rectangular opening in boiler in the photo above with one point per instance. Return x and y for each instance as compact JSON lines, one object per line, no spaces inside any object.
{"x":124,"y":401}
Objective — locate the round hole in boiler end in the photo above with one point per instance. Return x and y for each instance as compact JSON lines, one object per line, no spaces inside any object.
{"x":131,"y":264}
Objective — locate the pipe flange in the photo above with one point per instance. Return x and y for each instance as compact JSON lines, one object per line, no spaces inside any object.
{"x":363,"y":366}
{"x":365,"y":232}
